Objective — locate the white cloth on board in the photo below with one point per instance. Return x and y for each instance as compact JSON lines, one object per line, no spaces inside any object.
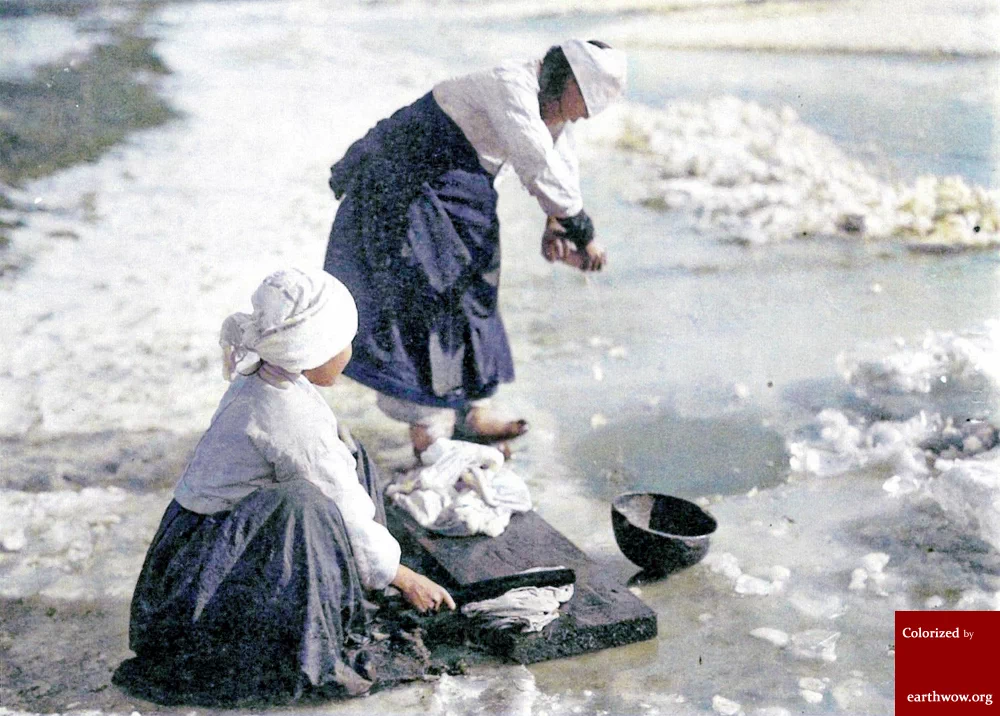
{"x":462,"y":489}
{"x":527,"y":609}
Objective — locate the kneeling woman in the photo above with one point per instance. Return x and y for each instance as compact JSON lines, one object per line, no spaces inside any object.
{"x":255,"y":584}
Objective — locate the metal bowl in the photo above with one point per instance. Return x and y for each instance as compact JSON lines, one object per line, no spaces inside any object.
{"x":661,"y":533}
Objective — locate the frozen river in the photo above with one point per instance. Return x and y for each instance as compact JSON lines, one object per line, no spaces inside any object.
{"x":696,"y":364}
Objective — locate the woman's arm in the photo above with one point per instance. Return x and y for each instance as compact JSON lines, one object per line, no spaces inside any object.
{"x":546,"y":167}
{"x":421,"y":592}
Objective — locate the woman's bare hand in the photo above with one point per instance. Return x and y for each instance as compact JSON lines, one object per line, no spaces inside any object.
{"x":424,"y":594}
{"x":595,"y":257}
{"x":555,"y":245}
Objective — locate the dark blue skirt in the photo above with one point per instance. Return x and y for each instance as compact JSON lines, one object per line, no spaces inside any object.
{"x":417,"y":241}
{"x":262,"y":603}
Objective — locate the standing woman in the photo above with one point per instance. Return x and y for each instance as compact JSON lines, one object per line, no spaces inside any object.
{"x":417,"y":238}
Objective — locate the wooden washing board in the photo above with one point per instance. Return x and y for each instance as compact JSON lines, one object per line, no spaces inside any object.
{"x":603,"y":613}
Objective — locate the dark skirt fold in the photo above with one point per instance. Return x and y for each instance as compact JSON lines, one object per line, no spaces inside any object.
{"x":417,"y":241}
{"x":261,"y":603}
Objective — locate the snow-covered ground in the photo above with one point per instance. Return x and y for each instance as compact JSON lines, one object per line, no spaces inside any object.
{"x":114,"y":334}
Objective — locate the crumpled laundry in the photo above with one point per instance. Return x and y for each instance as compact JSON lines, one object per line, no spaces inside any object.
{"x":530,"y":608}
{"x":462,"y":489}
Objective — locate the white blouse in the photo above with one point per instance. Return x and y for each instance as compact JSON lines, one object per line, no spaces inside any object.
{"x":498,"y":112}
{"x":265,"y":432}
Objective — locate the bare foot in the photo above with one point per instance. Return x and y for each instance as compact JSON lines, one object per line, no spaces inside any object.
{"x":421,"y":438}
{"x":481,"y":426}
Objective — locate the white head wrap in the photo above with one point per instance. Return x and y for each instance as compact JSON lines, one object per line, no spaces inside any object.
{"x":301,"y":319}
{"x":600,"y":73}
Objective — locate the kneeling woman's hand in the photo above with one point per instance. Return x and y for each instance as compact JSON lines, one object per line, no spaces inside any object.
{"x":421,"y":592}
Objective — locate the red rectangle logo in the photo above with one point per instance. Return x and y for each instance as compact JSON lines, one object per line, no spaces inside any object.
{"x":946,"y":662}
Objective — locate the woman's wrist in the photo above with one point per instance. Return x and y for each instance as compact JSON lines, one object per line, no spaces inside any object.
{"x":404,"y":575}
{"x":578,"y":229}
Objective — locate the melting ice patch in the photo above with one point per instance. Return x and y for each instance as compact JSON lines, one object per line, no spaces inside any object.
{"x":837,"y":442}
{"x":759,"y":175}
{"x":969,"y":491}
{"x":74,"y":545}
{"x":940,"y":451}
{"x":954,"y":372}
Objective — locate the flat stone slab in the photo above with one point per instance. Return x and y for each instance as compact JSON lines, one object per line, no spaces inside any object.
{"x":602,"y":613}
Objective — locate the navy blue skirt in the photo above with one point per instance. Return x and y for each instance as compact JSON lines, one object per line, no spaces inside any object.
{"x":416,"y":239}
{"x":262,"y":603}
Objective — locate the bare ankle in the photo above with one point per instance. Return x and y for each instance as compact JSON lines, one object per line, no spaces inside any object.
{"x":421,"y":438}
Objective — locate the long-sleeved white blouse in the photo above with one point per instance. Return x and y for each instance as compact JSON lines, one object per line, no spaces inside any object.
{"x":265,"y":432}
{"x":497,"y":111}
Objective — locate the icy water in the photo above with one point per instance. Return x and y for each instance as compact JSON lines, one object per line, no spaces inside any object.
{"x":686,"y":367}
{"x":692,"y":349}
{"x":700,"y":354}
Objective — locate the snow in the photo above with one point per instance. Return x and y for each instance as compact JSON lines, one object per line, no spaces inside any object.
{"x":758,"y":175}
{"x":888,"y":26}
{"x":117,"y":332}
{"x":75,"y":545}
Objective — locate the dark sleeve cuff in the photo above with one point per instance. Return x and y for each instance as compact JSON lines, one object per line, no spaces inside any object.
{"x":579,"y":229}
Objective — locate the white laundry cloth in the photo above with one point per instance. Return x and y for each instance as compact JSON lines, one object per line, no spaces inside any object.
{"x":530,"y":608}
{"x":463,"y":489}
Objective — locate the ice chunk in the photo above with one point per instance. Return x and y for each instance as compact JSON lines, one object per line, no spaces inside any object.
{"x":828,"y":606}
{"x":775,"y":636}
{"x":898,"y":485}
{"x":12,"y":539}
{"x":857,"y":696}
{"x":970,"y":492}
{"x":977,"y":600}
{"x":875,"y":562}
{"x":747,"y":584}
{"x":722,"y":705}
{"x":723,"y":563}
{"x":811,"y":697}
{"x":818,"y":644}
{"x":780,"y":574}
{"x":859,"y":579}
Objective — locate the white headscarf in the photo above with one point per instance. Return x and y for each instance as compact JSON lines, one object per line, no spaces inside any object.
{"x":301,"y":319}
{"x":600,"y":73}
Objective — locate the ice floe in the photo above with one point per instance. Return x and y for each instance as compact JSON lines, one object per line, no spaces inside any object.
{"x":945,"y":450}
{"x":775,"y":636}
{"x":726,"y":707}
{"x":757,"y":175}
{"x":74,"y":545}
{"x":727,"y":565}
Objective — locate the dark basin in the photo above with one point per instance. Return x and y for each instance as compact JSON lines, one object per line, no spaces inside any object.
{"x":661,"y":533}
